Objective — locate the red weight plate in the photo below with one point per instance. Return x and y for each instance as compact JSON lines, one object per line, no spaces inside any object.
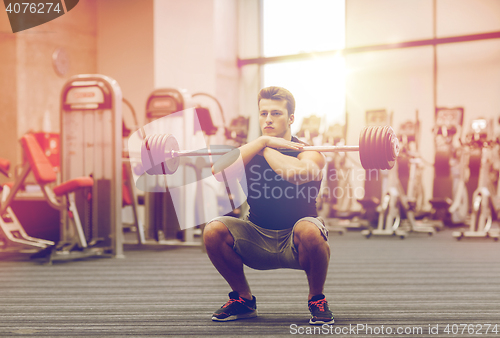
{"x":385,"y":148}
{"x":367,"y":142}
{"x":377,"y":148}
{"x":392,"y":153}
{"x":363,"y":151}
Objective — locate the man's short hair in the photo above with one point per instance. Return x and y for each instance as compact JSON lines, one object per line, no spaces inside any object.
{"x":278,"y":93}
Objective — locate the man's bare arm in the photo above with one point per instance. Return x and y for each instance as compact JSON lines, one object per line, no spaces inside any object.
{"x":306,"y":167}
{"x":233,"y":163}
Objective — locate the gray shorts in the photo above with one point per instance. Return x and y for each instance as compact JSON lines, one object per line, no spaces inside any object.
{"x":265,"y":249}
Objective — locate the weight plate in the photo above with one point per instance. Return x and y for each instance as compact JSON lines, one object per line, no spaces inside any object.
{"x":156,"y":154}
{"x":381,"y":147}
{"x":171,"y":163}
{"x":368,"y":150}
{"x":389,"y":138}
{"x":362,"y":148}
{"x":146,"y":155}
{"x":373,"y":148}
{"x":387,"y":147}
{"x":391,"y":147}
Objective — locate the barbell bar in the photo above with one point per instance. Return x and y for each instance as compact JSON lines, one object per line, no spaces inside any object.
{"x":378,"y":149}
{"x":211,"y":152}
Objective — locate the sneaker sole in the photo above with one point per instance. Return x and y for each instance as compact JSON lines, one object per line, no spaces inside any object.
{"x":252,"y":314}
{"x":321,"y":322}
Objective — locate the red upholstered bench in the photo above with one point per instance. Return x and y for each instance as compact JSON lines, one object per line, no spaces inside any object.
{"x":58,"y":197}
{"x":43,"y":170}
{"x":73,"y":185}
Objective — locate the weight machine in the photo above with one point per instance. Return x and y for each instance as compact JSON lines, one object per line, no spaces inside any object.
{"x":397,"y":208}
{"x":379,"y":209}
{"x":164,"y":110}
{"x":409,"y":180}
{"x":91,"y":146}
{"x":450,"y":200}
{"x":485,"y":202}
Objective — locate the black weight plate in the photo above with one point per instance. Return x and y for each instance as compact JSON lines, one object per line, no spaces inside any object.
{"x":363,"y":151}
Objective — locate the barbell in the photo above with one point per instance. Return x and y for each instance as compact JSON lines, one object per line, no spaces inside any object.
{"x":378,"y":149}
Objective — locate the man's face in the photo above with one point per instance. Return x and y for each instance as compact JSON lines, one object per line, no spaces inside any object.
{"x":273,"y":118}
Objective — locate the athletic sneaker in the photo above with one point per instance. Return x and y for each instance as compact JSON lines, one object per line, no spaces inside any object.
{"x":320,"y":313}
{"x":236,"y":308}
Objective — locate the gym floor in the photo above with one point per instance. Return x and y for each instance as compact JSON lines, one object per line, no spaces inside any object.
{"x":383,"y":283}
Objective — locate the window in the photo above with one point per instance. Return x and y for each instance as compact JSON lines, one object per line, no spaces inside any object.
{"x":298,"y":26}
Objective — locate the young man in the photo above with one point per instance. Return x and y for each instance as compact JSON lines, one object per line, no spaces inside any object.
{"x":282,"y":229}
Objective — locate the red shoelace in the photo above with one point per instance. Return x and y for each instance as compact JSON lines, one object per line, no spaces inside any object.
{"x":319,"y":303}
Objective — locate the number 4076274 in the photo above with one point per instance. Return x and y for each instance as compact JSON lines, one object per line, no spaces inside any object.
{"x":31,"y":7}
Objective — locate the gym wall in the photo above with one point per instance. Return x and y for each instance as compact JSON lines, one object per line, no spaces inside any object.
{"x":125,"y":48}
{"x":195,"y":47}
{"x":249,"y":46}
{"x":29,"y":86}
{"x":143,"y":44}
{"x":8,"y":92}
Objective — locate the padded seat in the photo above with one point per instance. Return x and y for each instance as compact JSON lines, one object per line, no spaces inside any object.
{"x":72,"y":185}
{"x":40,"y":165}
{"x":43,"y":170}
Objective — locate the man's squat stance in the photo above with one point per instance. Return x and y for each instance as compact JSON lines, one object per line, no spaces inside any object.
{"x":282,"y":229}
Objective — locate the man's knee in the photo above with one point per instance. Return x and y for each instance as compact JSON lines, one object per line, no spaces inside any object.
{"x":216,"y":233}
{"x":309,"y":235}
